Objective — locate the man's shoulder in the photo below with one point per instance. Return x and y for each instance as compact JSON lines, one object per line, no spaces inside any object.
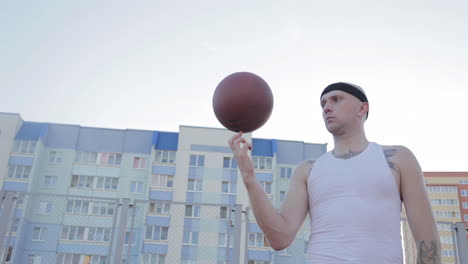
{"x":396,"y":151}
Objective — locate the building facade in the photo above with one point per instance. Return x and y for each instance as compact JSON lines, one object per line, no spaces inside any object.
{"x":175,"y":190}
{"x":448,"y":195}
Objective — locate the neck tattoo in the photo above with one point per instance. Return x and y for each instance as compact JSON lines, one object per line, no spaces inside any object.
{"x":348,"y":155}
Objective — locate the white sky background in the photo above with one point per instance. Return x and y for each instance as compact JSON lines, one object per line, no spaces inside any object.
{"x":155,"y":64}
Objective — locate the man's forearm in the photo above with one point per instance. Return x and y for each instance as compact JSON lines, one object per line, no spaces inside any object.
{"x":429,"y":252}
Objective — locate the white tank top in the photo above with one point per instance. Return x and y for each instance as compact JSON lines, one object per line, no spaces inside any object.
{"x":355,"y":208}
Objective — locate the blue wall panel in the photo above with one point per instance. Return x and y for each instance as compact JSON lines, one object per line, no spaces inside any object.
{"x":259,"y":255}
{"x":192,"y":224}
{"x":15,"y":186}
{"x":189,"y":252}
{"x":138,"y":141}
{"x":264,"y":176}
{"x":253,"y":227}
{"x":207,"y":148}
{"x":194,"y":197}
{"x":82,"y":248}
{"x":62,"y":136}
{"x":155,"y":248}
{"x":262,"y":147}
{"x":161,"y":195}
{"x":168,"y":170}
{"x":101,"y":140}
{"x":19,"y":160}
{"x":229,"y":199}
{"x":230,"y":175}
{"x":158,"y":220}
{"x":196,"y":173}
{"x":166,"y":140}
{"x":32,"y":131}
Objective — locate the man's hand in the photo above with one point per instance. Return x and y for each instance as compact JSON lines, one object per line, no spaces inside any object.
{"x":240,"y":148}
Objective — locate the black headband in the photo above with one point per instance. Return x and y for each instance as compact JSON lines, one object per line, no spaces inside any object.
{"x":347,"y":88}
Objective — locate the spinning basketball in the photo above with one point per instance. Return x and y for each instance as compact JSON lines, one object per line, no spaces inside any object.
{"x":243,"y":102}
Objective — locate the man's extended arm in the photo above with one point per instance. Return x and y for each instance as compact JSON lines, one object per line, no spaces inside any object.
{"x":418,"y":209}
{"x":280,"y":227}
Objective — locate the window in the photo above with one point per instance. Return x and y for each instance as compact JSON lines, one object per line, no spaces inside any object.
{"x":38,"y":233}
{"x":286,"y":173}
{"x":446,"y":214}
{"x":19,"y":171}
{"x":67,"y":258}
{"x":49,"y":181}
{"x":465,"y":205}
{"x":139,"y":163}
{"x":228,"y":187}
{"x":282,"y":195}
{"x":162,"y":181}
{"x":86,"y":157}
{"x":136,"y":187}
{"x":262,"y":163}
{"x":112,"y":159}
{"x":100,"y":208}
{"x":463,"y":182}
{"x":45,"y":207}
{"x":441,"y":189}
{"x":223,"y":240}
{"x":464,"y":192}
{"x":257,"y":240}
{"x":192,"y":211}
{"x":165,"y":156}
{"x":194,"y":185}
{"x":223,"y":212}
{"x":156,"y":233}
{"x":103,"y":208}
{"x":466,"y":217}
{"x":24,"y":146}
{"x":34,"y":259}
{"x":81,"y":233}
{"x":159,"y":208}
{"x":55,"y":157}
{"x":94,"y":182}
{"x":229,"y":163}
{"x":448,"y":253}
{"x":444,"y":201}
{"x":446,"y":240}
{"x":154,"y":259}
{"x":190,"y":238}
{"x":266,"y":187}
{"x":197,"y":161}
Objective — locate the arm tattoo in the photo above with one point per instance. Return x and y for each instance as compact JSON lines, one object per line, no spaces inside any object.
{"x":388,"y":154}
{"x":348,"y":155}
{"x":428,"y":254}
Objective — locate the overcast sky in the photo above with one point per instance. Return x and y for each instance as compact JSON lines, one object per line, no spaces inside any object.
{"x":154,"y":65}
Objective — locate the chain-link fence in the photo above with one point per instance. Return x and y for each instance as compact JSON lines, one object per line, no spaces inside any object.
{"x":70,"y":229}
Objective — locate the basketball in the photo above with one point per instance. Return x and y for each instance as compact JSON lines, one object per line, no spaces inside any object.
{"x":243,"y":102}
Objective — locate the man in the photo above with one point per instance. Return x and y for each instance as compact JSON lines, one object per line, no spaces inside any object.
{"x":353,"y":194}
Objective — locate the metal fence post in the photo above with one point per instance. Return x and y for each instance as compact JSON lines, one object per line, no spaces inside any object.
{"x":122,"y":229}
{"x":237,"y":234}
{"x":246,"y":244}
{"x":462,"y":242}
{"x":5,"y":218}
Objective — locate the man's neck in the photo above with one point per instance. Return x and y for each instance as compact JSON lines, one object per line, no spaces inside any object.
{"x":348,"y":146}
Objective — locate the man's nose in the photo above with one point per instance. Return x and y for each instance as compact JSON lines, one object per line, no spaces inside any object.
{"x":327,"y":108}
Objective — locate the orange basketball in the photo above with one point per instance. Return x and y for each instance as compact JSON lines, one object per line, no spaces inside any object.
{"x":243,"y":102}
